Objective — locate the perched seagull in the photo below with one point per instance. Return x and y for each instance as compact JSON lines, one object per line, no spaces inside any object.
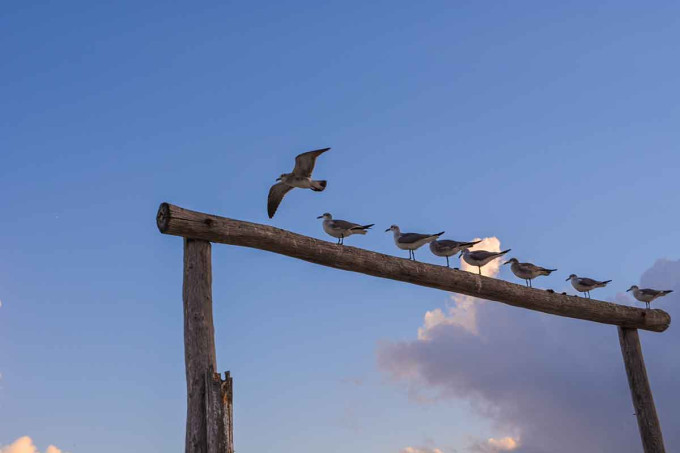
{"x":527,"y":271}
{"x":480,"y":258}
{"x":647,"y":295}
{"x":585,"y":285}
{"x":411,"y":241}
{"x":300,"y":177}
{"x":340,"y":229}
{"x":447,"y":248}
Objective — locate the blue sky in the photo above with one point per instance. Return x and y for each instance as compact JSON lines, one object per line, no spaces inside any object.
{"x":552,"y":127}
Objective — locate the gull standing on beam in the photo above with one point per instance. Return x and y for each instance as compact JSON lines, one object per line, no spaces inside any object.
{"x":340,"y":229}
{"x":647,"y":295}
{"x":585,"y":285}
{"x":411,"y":241}
{"x":527,"y":271}
{"x":480,"y":258}
{"x":447,"y":248}
{"x":300,"y":177}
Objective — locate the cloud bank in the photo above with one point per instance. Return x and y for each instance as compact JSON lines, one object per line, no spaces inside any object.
{"x":25,"y":445}
{"x":557,"y":384}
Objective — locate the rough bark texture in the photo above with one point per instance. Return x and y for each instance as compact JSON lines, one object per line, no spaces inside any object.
{"x":219,"y":413}
{"x":199,"y":339}
{"x":643,"y":401}
{"x":182,"y":222}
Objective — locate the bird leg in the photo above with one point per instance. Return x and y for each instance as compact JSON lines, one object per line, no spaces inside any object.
{"x":342,"y":239}
{"x":479,"y":269}
{"x":447,"y":262}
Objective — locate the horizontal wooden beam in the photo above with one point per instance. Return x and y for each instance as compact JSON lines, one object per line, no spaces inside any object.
{"x":190,"y":224}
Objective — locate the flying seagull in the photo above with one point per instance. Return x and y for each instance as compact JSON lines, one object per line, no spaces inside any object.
{"x":527,"y":271}
{"x":447,"y":248}
{"x":300,"y":177}
{"x":340,"y":229}
{"x":480,"y":258}
{"x":585,"y":285}
{"x":647,"y":295}
{"x":411,"y":241}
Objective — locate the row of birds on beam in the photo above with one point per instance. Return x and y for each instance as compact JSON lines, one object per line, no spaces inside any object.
{"x":301,"y":177}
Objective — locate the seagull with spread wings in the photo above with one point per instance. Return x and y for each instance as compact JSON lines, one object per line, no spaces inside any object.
{"x":301,"y":177}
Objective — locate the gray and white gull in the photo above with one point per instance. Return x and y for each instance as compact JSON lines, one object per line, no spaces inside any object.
{"x":300,"y":177}
{"x":585,"y":285}
{"x":527,"y":271}
{"x":411,"y":241}
{"x":340,"y":229}
{"x":447,"y":248}
{"x":647,"y":295}
{"x":480,"y":258}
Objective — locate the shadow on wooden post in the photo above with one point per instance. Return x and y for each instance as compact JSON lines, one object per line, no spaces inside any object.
{"x":219,"y":412}
{"x":641,"y":392}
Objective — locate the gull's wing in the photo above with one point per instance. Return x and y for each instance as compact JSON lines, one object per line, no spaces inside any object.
{"x":344,"y":225}
{"x":482,"y":254}
{"x":410,"y":238}
{"x":650,"y":292}
{"x":588,"y":281}
{"x":530,"y":267}
{"x":304,"y":163}
{"x":276,"y":194}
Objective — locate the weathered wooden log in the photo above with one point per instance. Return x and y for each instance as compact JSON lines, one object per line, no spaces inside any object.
{"x":219,"y":412}
{"x":190,"y":224}
{"x":199,"y":339}
{"x":641,"y":392}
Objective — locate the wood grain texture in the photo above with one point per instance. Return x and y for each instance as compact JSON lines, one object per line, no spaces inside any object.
{"x":643,"y":401}
{"x":199,"y":339}
{"x":190,"y":224}
{"x":219,"y":413}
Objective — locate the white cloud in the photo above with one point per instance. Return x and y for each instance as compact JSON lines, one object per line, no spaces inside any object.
{"x":421,"y":450}
{"x":25,"y":445}
{"x":463,"y":313}
{"x":557,"y":384}
{"x":492,"y":445}
{"x":490,"y":244}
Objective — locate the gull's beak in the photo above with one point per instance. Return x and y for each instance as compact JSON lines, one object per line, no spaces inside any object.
{"x":387,"y":230}
{"x":506,"y":262}
{"x":278,"y":179}
{"x":320,"y":217}
{"x":568,"y":278}
{"x":629,"y":289}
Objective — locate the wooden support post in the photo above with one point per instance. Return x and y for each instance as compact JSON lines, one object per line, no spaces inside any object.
{"x":643,"y":401}
{"x":219,"y":412}
{"x":199,"y":339}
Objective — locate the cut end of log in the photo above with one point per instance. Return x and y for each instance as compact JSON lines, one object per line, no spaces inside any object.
{"x":163,"y":217}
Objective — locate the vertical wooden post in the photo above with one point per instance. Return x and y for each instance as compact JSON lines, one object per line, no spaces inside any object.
{"x":219,"y":413}
{"x":643,"y":401}
{"x":199,"y":339}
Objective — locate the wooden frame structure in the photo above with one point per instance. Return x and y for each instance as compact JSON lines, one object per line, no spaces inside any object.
{"x":209,"y":397}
